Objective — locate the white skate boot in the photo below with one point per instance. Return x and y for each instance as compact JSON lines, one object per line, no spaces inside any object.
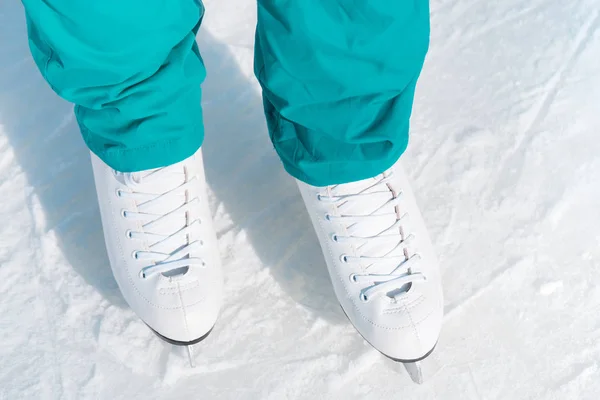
{"x":162,"y":246}
{"x":381,"y":262}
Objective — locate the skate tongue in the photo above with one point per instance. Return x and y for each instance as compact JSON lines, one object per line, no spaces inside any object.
{"x":371,"y":201}
{"x":144,"y":181}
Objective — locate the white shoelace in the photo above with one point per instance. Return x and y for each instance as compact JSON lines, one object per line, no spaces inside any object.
{"x":402,"y":273}
{"x":153,"y":234}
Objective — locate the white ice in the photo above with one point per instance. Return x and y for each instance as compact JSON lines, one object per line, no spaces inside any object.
{"x":505,"y":159}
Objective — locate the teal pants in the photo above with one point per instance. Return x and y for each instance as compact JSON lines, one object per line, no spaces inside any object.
{"x":338,"y":78}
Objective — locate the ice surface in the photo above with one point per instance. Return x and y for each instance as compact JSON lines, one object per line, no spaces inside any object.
{"x":505,"y":158}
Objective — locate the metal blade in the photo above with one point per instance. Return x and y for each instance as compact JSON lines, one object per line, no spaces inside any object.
{"x":415,"y":372}
{"x":191,"y":356}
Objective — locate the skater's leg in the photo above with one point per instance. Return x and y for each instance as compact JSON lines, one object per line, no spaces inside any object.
{"x":133,"y":70}
{"x":338,"y":81}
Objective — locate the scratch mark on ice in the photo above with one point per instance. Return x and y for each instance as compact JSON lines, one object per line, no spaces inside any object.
{"x":555,"y":83}
{"x":455,"y":308}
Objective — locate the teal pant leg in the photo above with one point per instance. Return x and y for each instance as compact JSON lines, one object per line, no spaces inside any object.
{"x":132,"y":69}
{"x":338,"y":79}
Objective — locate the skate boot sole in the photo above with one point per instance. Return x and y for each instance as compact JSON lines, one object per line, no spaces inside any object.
{"x":409,"y":361}
{"x":180,"y":343}
{"x":400,"y":360}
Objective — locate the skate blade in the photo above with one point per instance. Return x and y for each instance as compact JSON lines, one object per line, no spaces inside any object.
{"x":188,"y":345}
{"x":190,"y":352}
{"x":420,"y":370}
{"x":414,"y":368}
{"x":415,"y":372}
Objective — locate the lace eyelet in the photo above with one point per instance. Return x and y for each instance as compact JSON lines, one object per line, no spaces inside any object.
{"x":318,"y":197}
{"x":334,"y":237}
{"x":128,"y":234}
{"x":328,"y":217}
{"x":142,"y":274}
{"x":135,"y":255}
{"x":119,"y":193}
{"x":344,"y":258}
{"x":364,"y":298}
{"x":124,"y":213}
{"x":353,"y":278}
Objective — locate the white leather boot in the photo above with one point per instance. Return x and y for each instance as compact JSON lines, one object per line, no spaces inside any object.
{"x":381,"y":261}
{"x":162,"y":246}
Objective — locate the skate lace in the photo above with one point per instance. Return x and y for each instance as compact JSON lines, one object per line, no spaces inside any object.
{"x":396,"y":268}
{"x":167,"y":233}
